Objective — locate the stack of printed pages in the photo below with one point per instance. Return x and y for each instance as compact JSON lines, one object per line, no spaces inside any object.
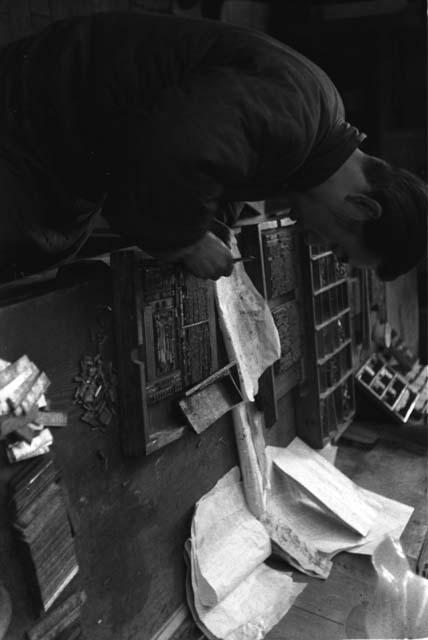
{"x":312,"y":512}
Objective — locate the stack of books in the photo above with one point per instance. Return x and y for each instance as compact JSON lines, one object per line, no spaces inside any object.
{"x":42,"y":525}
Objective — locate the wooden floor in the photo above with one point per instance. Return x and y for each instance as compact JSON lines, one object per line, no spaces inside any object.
{"x":132,"y":515}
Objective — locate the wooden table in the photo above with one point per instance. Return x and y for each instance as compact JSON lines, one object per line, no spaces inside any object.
{"x":133,"y":515}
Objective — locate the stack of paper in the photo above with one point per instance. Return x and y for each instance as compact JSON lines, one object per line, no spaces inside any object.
{"x":328,"y":512}
{"x":235,"y":595}
{"x":313,"y":512}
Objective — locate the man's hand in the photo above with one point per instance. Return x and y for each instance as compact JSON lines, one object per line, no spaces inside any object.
{"x":209,"y":258}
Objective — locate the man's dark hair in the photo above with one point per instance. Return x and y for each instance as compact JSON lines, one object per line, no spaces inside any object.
{"x":399,"y":236}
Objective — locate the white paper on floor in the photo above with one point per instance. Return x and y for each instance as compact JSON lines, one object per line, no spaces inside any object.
{"x":227,"y":541}
{"x":335,"y":491}
{"x":298,"y":499}
{"x":391,"y":519}
{"x":227,"y":552}
{"x":236,"y":596}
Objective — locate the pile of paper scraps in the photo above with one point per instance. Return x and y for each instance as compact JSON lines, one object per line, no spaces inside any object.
{"x":44,"y":529}
{"x":313,"y":511}
{"x":231,"y":592}
{"x":24,"y":418}
{"x":328,"y":511}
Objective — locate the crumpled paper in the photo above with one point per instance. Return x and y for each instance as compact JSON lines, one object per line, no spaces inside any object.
{"x":332,"y":489}
{"x":228,"y":543}
{"x":226,"y":551}
{"x":310,"y":532}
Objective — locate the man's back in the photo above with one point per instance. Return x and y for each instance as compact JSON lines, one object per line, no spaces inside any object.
{"x":170,"y":117}
{"x":75,"y":89}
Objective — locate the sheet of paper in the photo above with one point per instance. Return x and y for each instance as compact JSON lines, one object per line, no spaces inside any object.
{"x":251,"y":610}
{"x":250,"y":333}
{"x":227,"y":541}
{"x":329,"y":452}
{"x":289,"y":544}
{"x":391,"y":519}
{"x":316,"y":526}
{"x":328,"y":485}
{"x":307,"y":535}
{"x":256,"y":420}
{"x":250,"y":443}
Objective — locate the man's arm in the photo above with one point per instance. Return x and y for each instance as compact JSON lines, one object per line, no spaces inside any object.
{"x":209,"y":257}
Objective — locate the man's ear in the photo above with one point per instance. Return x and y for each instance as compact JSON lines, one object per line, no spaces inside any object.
{"x":365,"y":208}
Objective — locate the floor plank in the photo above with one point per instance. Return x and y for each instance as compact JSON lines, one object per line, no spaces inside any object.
{"x":299,"y":624}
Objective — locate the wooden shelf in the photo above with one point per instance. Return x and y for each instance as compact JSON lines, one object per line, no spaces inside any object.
{"x":320,"y":421}
{"x":339,"y":431}
{"x":324,"y":254}
{"x":339,"y":315}
{"x":338,"y":349}
{"x":327,"y":287}
{"x":330,"y":390}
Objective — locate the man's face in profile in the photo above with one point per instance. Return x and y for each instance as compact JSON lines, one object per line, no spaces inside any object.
{"x":333,"y":229}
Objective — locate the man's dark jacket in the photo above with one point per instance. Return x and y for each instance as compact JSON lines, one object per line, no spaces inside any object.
{"x":163,"y":119}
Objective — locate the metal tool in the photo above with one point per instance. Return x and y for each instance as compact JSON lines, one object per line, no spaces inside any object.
{"x":246,"y":259}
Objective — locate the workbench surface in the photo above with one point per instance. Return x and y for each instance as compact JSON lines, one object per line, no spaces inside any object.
{"x":133,"y":515}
